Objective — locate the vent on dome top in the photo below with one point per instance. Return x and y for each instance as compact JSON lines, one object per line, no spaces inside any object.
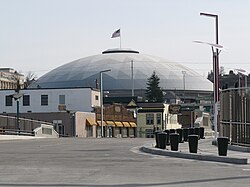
{"x":119,"y":50}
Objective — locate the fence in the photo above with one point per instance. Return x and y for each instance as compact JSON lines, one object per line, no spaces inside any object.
{"x":8,"y":124}
{"x":234,"y":115}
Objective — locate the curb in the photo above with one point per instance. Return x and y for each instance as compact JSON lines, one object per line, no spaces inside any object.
{"x":203,"y":157}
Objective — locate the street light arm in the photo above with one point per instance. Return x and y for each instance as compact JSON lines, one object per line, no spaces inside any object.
{"x":207,"y":14}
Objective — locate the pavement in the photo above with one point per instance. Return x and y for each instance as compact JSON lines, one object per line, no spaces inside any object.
{"x":206,"y":152}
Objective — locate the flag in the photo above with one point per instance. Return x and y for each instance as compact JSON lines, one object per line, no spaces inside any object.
{"x":116,"y":34}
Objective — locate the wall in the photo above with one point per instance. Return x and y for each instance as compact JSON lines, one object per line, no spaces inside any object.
{"x":81,"y":127}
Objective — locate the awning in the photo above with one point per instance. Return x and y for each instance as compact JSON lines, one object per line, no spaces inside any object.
{"x":133,"y":124}
{"x":118,"y":124}
{"x":110,"y":123}
{"x":90,"y":121}
{"x":103,"y":123}
{"x":126,"y":124}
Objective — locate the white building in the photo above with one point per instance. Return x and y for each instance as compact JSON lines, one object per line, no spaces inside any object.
{"x":50,"y":100}
{"x":9,"y":77}
{"x":70,"y":110}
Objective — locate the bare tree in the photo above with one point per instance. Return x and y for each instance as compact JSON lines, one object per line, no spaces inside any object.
{"x":30,"y":77}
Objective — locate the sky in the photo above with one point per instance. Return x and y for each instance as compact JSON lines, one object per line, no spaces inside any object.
{"x":40,"y":35}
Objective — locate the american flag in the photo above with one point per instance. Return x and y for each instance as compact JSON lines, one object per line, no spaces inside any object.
{"x":116,"y":34}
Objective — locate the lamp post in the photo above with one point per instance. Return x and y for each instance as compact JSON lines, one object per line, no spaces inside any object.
{"x":215,"y":69}
{"x":17,"y":97}
{"x":216,"y":81}
{"x":184,"y":85}
{"x":101,"y":98}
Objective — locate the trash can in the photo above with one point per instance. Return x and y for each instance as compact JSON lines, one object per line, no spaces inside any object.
{"x":167,"y":141}
{"x":197,"y":132}
{"x":222,"y":143}
{"x":162,"y":138}
{"x":174,"y":141}
{"x":185,"y":135}
{"x":171,"y":131}
{"x":190,"y":131}
{"x":180,"y":132}
{"x":193,"y":143}
{"x":202,"y":133}
{"x":156,"y":139}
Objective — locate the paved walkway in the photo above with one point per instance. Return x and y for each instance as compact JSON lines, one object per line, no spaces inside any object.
{"x":206,"y":151}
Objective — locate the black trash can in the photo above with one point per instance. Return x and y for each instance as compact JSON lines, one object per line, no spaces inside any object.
{"x":167,"y":141}
{"x":222,"y":143}
{"x":180,"y":132}
{"x":202,"y":133}
{"x":185,"y":134}
{"x":162,"y":138}
{"x":156,"y":139}
{"x":171,"y":131}
{"x":190,"y":131}
{"x":197,"y":132}
{"x":193,"y":143}
{"x":174,"y":141}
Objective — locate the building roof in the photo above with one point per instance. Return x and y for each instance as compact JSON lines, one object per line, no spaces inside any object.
{"x":85,"y":72}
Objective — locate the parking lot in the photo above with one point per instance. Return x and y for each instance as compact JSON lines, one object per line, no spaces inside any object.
{"x":107,"y":162}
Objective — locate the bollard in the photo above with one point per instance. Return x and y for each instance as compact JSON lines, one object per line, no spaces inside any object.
{"x":156,"y":139}
{"x":174,"y":141}
{"x":222,"y":143}
{"x":167,"y":141}
{"x":202,"y":133}
{"x":171,"y":131}
{"x":193,"y":143}
{"x":162,"y":138}
{"x":180,"y":132}
{"x":185,"y":135}
{"x":197,"y":132}
{"x":190,"y":131}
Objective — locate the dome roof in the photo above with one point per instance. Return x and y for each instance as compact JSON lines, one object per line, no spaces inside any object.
{"x":85,"y":71}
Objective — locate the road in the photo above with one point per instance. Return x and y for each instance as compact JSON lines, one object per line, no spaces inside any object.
{"x":107,"y":162}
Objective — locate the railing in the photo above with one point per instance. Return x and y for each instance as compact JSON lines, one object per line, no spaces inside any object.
{"x":17,"y":132}
{"x":235,"y":115}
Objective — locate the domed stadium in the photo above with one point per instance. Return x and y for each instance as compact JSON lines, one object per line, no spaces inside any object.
{"x":85,"y":72}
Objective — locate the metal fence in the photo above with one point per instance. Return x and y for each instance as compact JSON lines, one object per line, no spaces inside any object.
{"x":235,"y":115}
{"x":8,"y":123}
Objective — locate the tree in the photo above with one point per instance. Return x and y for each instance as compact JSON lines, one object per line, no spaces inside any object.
{"x":30,"y":77}
{"x":154,"y":92}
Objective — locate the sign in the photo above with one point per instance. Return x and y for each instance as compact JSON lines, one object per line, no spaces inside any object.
{"x":174,"y":109}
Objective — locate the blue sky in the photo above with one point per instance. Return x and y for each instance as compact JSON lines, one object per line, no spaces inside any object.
{"x":40,"y":35}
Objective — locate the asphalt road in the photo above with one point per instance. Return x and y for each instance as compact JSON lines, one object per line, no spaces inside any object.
{"x":107,"y":162}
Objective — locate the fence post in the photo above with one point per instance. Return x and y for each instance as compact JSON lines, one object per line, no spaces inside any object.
{"x":230,"y":115}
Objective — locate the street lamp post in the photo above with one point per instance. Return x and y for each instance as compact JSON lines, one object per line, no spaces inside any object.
{"x":215,"y":70}
{"x":101,"y":98}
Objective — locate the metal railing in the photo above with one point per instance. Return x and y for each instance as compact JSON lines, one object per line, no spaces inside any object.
{"x":235,"y":115}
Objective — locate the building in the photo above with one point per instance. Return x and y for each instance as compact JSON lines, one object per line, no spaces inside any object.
{"x":9,"y":79}
{"x":128,"y":76}
{"x":70,"y":110}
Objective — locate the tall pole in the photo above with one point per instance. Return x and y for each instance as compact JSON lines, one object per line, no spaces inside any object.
{"x":101,"y":98}
{"x":216,"y":71}
{"x":184,"y":85}
{"x":132,"y":76}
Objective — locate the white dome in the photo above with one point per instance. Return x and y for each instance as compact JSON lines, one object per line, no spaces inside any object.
{"x":85,"y":71}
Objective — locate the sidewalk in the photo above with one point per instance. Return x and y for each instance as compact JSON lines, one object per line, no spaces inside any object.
{"x":206,"y":151}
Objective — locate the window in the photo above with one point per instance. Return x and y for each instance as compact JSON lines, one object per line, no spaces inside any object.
{"x":158,"y":118}
{"x":8,"y":100}
{"x":61,"y":99}
{"x":44,"y":100}
{"x":26,"y":100}
{"x":149,"y":119}
{"x":149,"y":133}
{"x":96,"y":98}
